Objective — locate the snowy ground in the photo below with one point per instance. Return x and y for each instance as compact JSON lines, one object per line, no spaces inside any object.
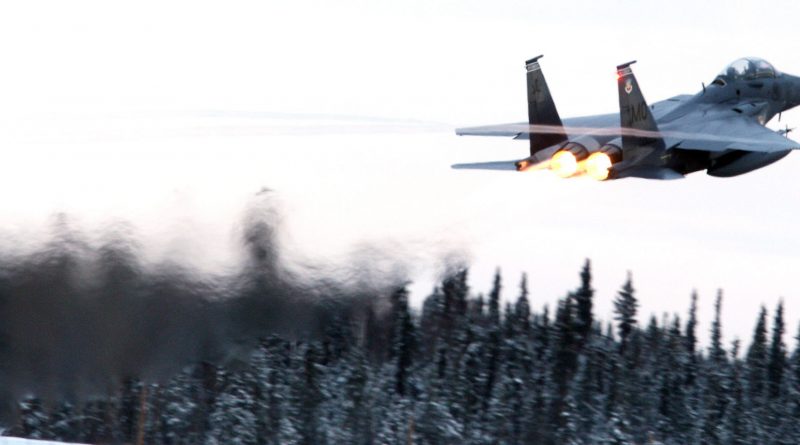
{"x":17,"y":441}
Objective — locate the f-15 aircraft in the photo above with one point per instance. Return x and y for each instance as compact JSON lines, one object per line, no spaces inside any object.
{"x":720,"y":129}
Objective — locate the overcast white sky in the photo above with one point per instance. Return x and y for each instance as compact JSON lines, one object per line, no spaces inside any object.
{"x":172,"y":115}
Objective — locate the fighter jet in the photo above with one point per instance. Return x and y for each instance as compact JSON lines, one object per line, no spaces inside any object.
{"x":720,"y":129}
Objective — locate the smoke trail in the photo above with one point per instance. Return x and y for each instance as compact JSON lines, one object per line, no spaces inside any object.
{"x":76,"y":318}
{"x":227,"y":123}
{"x":130,"y":126}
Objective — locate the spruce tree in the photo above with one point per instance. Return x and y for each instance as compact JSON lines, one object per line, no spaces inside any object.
{"x":793,"y":396}
{"x":469,"y":378}
{"x":310,"y":397}
{"x":565,"y":358}
{"x":476,"y":309}
{"x":454,"y":290}
{"x":33,"y":421}
{"x":584,"y":295}
{"x":675,"y":418}
{"x":430,"y":324}
{"x":471,"y":384}
{"x":376,"y":337}
{"x":129,"y":408}
{"x":587,"y":392}
{"x":691,"y":341}
{"x":398,"y":425}
{"x":716,"y":397}
{"x":181,"y":411}
{"x":542,"y":335}
{"x":403,"y":339}
{"x":736,"y":419}
{"x":542,"y":391}
{"x":618,"y":431}
{"x":233,"y":420}
{"x":756,"y":378}
{"x":777,"y":355}
{"x":757,"y":360}
{"x":494,"y":338}
{"x":95,"y":425}
{"x":775,"y":413}
{"x":569,"y":432}
{"x":351,"y":410}
{"x":717,"y":350}
{"x":494,"y":299}
{"x":509,"y":321}
{"x":625,"y":306}
{"x":507,"y":415}
{"x":433,"y":424}
{"x":64,"y":422}
{"x":522,"y":309}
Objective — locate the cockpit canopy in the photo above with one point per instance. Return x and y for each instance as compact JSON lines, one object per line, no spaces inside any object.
{"x":749,"y":68}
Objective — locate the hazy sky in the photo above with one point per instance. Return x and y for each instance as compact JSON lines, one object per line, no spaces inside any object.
{"x":173,"y":115}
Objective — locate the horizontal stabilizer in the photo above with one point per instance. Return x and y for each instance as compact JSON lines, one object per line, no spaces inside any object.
{"x":494,"y":165}
{"x":508,"y":130}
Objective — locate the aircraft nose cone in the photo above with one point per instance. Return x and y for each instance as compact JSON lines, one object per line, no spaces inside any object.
{"x":792,"y":91}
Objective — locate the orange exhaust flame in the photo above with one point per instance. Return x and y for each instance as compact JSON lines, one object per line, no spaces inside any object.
{"x":526,"y":165}
{"x":597,"y":165}
{"x":523,"y":165}
{"x":564,"y":164}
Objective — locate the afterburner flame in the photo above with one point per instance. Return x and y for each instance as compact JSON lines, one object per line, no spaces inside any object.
{"x":597,"y":166}
{"x":564,"y":164}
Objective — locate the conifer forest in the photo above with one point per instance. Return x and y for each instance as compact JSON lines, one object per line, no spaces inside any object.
{"x":470,"y":366}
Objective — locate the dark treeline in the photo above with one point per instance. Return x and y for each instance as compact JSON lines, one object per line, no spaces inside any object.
{"x":464,"y":369}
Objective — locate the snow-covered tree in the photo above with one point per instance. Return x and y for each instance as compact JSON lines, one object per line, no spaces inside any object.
{"x":460,"y":372}
{"x":584,"y":295}
{"x":625,"y":307}
{"x":233,"y":420}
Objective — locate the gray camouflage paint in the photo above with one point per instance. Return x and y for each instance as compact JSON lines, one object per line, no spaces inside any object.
{"x":720,"y":129}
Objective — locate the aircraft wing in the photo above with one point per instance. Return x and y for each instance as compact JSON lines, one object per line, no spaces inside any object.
{"x":741,"y":133}
{"x":603,"y":124}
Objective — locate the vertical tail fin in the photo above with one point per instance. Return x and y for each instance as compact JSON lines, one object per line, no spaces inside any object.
{"x":541,"y":108}
{"x":633,"y":110}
